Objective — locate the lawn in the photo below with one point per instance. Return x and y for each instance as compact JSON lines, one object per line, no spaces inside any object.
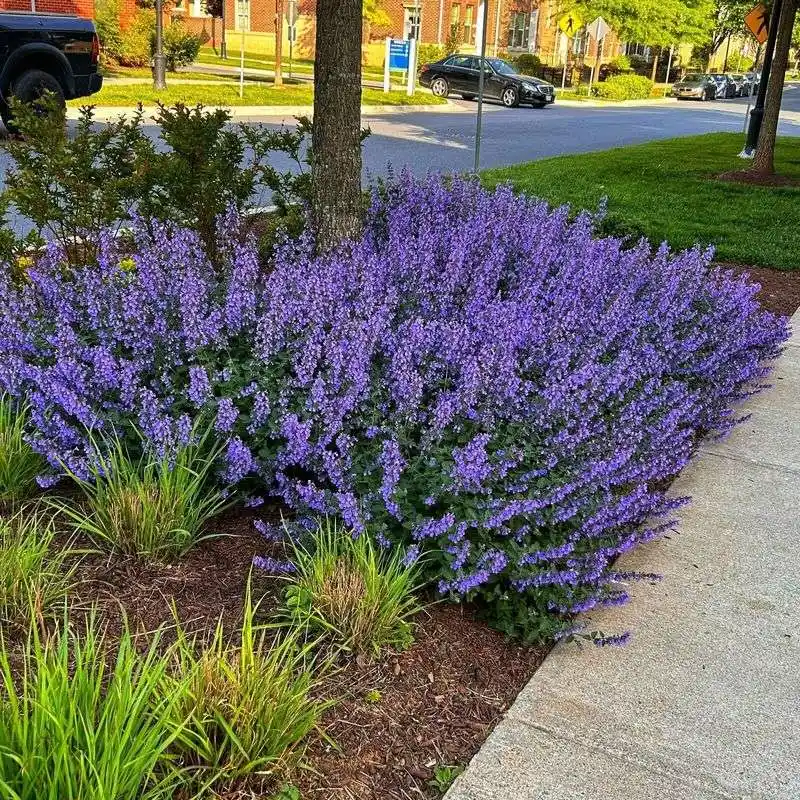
{"x":112,"y":72}
{"x":262,"y":61}
{"x":227,"y":94}
{"x":668,"y":191}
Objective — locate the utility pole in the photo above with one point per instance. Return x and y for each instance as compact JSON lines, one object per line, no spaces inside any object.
{"x":278,"y":42}
{"x":159,"y":60}
{"x":757,"y":114}
{"x":478,"y":124}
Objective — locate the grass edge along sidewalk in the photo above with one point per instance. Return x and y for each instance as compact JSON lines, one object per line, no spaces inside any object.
{"x":669,"y":191}
{"x":227,"y":94}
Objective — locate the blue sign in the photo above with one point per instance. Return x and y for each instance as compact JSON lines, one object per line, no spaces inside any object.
{"x":399,"y":50}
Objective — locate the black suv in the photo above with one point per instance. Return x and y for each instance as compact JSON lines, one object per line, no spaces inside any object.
{"x":460,"y":74}
{"x":46,"y":52}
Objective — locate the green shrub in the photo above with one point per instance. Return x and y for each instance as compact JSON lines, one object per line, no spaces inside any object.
{"x":249,"y":707}
{"x":34,"y":579}
{"x":455,"y":39}
{"x":109,"y":32}
{"x":81,"y":720}
{"x":527,"y":63}
{"x":19,"y":465}
{"x":151,"y":507}
{"x":345,"y":589}
{"x":428,"y":53}
{"x":180,"y":46}
{"x":625,"y":87}
{"x":137,"y":39}
{"x":620,"y":63}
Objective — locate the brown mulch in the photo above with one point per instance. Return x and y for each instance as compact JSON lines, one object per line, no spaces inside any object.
{"x":757,"y":179}
{"x":437,"y":702}
{"x":780,"y":289}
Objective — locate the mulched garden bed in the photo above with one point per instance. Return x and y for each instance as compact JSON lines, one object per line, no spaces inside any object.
{"x":780,"y":290}
{"x":395,"y":719}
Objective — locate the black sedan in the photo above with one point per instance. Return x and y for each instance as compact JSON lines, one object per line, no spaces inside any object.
{"x":460,"y":74}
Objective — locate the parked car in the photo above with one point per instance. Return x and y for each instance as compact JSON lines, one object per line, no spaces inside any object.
{"x":695,"y":86}
{"x":39,"y":53}
{"x":727,"y":87}
{"x":740,"y":81}
{"x":460,"y":74}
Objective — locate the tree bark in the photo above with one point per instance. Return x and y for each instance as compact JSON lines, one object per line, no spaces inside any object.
{"x":336,"y":203}
{"x":278,"y":42}
{"x":764,"y":161}
{"x":654,"y":74}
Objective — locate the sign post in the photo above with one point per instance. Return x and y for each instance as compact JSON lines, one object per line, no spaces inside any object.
{"x":243,"y":18}
{"x":398,"y":57}
{"x":291,"y":18}
{"x":412,"y":67}
{"x":597,"y":30}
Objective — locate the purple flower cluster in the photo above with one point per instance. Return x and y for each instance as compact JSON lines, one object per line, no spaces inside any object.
{"x":478,"y":377}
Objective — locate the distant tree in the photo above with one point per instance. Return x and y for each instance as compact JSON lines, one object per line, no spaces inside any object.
{"x":336,"y":203}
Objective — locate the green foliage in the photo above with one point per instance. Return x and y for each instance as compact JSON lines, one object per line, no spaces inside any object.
{"x":107,"y":23}
{"x":619,"y":64}
{"x":373,"y":696}
{"x":79,"y":719}
{"x":527,"y":63}
{"x":443,"y":777}
{"x":346,"y":590}
{"x":428,"y":53}
{"x":74,"y":187}
{"x":34,"y":577}
{"x":19,"y":465}
{"x":625,"y":87}
{"x":287,"y":792}
{"x":455,"y":39}
{"x":248,"y":707}
{"x":137,"y":39}
{"x":150,"y":507}
{"x":180,"y":46}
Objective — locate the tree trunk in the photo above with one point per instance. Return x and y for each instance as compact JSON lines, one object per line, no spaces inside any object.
{"x":336,"y":141}
{"x":655,"y":66}
{"x":764,"y":161}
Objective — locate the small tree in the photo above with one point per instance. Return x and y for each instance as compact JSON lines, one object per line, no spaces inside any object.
{"x":336,"y":166}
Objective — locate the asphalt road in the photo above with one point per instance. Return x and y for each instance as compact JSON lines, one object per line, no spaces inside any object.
{"x":445,"y":142}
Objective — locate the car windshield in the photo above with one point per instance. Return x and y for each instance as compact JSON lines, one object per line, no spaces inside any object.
{"x":737,"y":77}
{"x":692,"y":78}
{"x":500,"y":66}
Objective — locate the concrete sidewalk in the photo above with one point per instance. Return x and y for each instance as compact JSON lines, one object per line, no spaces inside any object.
{"x":704,"y":702}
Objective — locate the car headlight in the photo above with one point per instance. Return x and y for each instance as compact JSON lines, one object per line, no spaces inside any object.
{"x":531,"y":87}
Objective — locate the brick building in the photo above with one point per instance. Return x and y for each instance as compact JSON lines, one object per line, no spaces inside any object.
{"x":513,"y":26}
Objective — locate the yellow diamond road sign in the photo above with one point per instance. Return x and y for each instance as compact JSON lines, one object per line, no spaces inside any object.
{"x":570,"y":23}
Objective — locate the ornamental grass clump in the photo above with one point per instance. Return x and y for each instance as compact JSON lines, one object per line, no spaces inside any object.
{"x":346,"y":590}
{"x":478,"y":377}
{"x":152,"y":507}
{"x":19,"y":464}
{"x":248,"y":707}
{"x":35,"y":576}
{"x":82,"y":719}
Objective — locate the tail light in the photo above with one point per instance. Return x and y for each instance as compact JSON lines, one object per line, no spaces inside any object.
{"x":95,"y":49}
{"x":424,"y":68}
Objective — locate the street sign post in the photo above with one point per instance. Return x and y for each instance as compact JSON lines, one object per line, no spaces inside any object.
{"x":399,"y":56}
{"x":757,"y":22}
{"x":597,"y":30}
{"x":291,"y":19}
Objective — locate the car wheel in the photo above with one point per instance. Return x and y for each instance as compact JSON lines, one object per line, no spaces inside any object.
{"x":440,"y":87}
{"x":510,"y":97}
{"x":34,"y":83}
{"x":468,"y":96}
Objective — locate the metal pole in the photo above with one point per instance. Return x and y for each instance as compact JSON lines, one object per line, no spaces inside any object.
{"x":159,"y":60}
{"x":278,"y":80}
{"x":478,"y":125}
{"x":441,"y":21}
{"x":669,"y":65}
{"x":757,"y":114}
{"x":241,"y":48}
{"x":750,"y":93}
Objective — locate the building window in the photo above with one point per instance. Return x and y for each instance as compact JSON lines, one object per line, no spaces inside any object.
{"x":411,"y":20}
{"x":198,"y":8}
{"x":519,"y":30}
{"x":637,"y":49}
{"x":580,"y":42}
{"x":242,"y":21}
{"x":469,"y":25}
